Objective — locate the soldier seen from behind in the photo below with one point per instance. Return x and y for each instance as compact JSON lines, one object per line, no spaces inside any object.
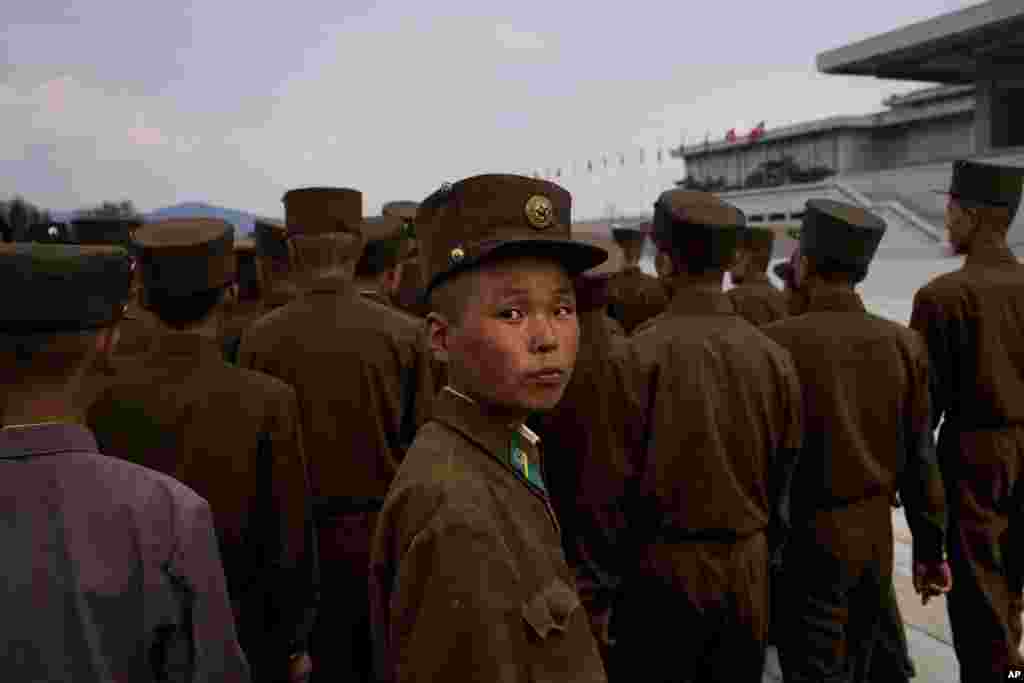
{"x":469,"y":580}
{"x":972,"y":320}
{"x":634,"y":295}
{"x":111,"y":570}
{"x":231,"y":434}
{"x":755,"y":297}
{"x":246,"y":298}
{"x":378,"y":274}
{"x":867,"y":436}
{"x":346,"y":357}
{"x":273,"y":264}
{"x":721,"y":428}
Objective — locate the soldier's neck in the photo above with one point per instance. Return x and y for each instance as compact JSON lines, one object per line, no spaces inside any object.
{"x":987,"y":240}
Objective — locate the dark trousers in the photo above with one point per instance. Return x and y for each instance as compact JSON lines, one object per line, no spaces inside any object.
{"x":983,"y":472}
{"x":838,"y":568}
{"x":890,"y":661}
{"x":341,"y":644}
{"x":694,"y":611}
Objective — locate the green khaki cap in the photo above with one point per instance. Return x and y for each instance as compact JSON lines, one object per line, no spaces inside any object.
{"x":186,"y":256}
{"x":709,"y":227}
{"x":839,"y":232}
{"x":986,"y":184}
{"x":62,"y":288}
{"x":487,"y":217}
{"x":119,"y":231}
{"x":319,"y":210}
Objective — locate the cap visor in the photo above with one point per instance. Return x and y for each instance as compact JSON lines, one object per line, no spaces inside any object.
{"x":575,"y":257}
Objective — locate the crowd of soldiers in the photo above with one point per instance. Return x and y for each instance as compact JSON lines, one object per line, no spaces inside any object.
{"x":432,"y":445}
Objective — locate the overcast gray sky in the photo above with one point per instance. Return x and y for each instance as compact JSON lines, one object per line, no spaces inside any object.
{"x":235,"y":102}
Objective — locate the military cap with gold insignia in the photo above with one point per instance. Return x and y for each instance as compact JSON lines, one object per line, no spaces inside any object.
{"x":61,"y":287}
{"x":180,"y":257}
{"x":487,"y":217}
{"x":318,"y":210}
{"x":709,"y":227}
{"x":840,"y":233}
{"x":986,"y":184}
{"x":382,"y":249}
{"x":97,"y":230}
{"x":270,"y":239}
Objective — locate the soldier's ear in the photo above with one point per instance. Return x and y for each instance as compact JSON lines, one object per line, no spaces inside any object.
{"x":439,"y":333}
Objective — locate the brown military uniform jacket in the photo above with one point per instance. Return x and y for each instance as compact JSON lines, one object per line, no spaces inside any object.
{"x":867,"y":423}
{"x":758,"y":301}
{"x":635,"y":296}
{"x":970,"y":319}
{"x":236,"y":320}
{"x":468,"y":579}
{"x":347,"y":358}
{"x":110,"y":570}
{"x":973,"y":323}
{"x":233,"y":436}
{"x":344,"y":356}
{"x":720,"y":404}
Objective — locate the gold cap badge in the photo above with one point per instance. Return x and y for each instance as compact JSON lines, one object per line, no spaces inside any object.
{"x":457,"y":254}
{"x":540,"y":212}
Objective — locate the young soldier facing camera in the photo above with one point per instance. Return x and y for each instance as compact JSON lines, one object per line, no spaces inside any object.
{"x":468,"y":578}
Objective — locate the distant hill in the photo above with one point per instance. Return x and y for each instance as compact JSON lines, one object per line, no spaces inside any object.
{"x":242,"y":220}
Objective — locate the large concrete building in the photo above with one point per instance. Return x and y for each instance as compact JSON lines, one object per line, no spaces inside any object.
{"x":891,"y":161}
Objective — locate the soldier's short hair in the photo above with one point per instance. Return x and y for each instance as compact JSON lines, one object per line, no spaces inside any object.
{"x":450,"y":297}
{"x":324,"y":253}
{"x":836,"y":272}
{"x":183,"y":310}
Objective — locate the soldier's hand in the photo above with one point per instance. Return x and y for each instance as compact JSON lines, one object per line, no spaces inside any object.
{"x":932,"y":579}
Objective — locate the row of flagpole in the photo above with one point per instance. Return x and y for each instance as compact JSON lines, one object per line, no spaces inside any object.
{"x":605,"y":162}
{"x":637,"y":158}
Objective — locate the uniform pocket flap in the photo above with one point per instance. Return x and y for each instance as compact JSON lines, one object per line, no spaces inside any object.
{"x":550,"y":609}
